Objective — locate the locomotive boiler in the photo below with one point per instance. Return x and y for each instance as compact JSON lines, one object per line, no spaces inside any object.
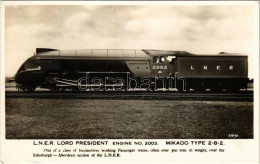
{"x":126,"y":69}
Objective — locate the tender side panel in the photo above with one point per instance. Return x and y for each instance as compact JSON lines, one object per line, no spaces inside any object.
{"x":212,"y":67}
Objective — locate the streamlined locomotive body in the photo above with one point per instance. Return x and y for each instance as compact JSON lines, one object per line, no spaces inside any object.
{"x":103,"y":69}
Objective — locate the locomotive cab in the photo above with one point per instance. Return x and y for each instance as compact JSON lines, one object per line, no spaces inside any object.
{"x":160,"y":66}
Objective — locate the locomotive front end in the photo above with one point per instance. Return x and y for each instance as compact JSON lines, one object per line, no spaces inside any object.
{"x":32,"y":72}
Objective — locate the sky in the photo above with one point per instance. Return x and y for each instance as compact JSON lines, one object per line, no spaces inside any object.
{"x":196,"y":29}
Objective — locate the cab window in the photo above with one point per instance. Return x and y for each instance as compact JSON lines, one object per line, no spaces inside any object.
{"x":159,"y":59}
{"x":162,"y":59}
{"x":156,"y":59}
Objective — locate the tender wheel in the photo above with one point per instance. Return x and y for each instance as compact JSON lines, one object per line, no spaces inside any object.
{"x":198,"y":89}
{"x":216,"y":86}
{"x":182,"y":86}
{"x":188,"y":87}
{"x":216,"y":89}
{"x":233,"y":88}
{"x":199,"y":86}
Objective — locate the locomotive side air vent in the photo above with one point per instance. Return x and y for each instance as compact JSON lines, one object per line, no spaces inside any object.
{"x":40,"y":50}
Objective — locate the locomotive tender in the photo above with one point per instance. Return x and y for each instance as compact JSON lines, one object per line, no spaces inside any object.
{"x":124,"y":69}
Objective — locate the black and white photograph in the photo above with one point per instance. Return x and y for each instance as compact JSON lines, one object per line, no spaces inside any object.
{"x":130,"y":71}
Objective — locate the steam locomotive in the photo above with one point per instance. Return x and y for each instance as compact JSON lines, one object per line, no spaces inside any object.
{"x":126,"y":69}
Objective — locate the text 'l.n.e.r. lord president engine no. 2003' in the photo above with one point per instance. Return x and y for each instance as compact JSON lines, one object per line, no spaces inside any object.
{"x":124,"y":69}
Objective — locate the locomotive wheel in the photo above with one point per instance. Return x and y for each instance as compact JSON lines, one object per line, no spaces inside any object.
{"x":30,"y":89}
{"x":123,"y":87}
{"x":57,"y":89}
{"x":180,"y":86}
{"x":151,"y":88}
{"x":26,"y":88}
{"x":186,"y":89}
{"x":53,"y":87}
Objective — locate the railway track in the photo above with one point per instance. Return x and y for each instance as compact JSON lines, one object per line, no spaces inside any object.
{"x":136,"y":95}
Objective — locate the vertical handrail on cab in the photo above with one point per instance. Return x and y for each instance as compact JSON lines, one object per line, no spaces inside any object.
{"x":76,"y":52}
{"x":59,"y":52}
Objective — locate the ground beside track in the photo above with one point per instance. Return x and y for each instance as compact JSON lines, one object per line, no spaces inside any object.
{"x":72,"y":118}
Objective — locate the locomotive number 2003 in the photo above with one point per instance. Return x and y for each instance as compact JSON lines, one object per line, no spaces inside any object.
{"x":160,"y":67}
